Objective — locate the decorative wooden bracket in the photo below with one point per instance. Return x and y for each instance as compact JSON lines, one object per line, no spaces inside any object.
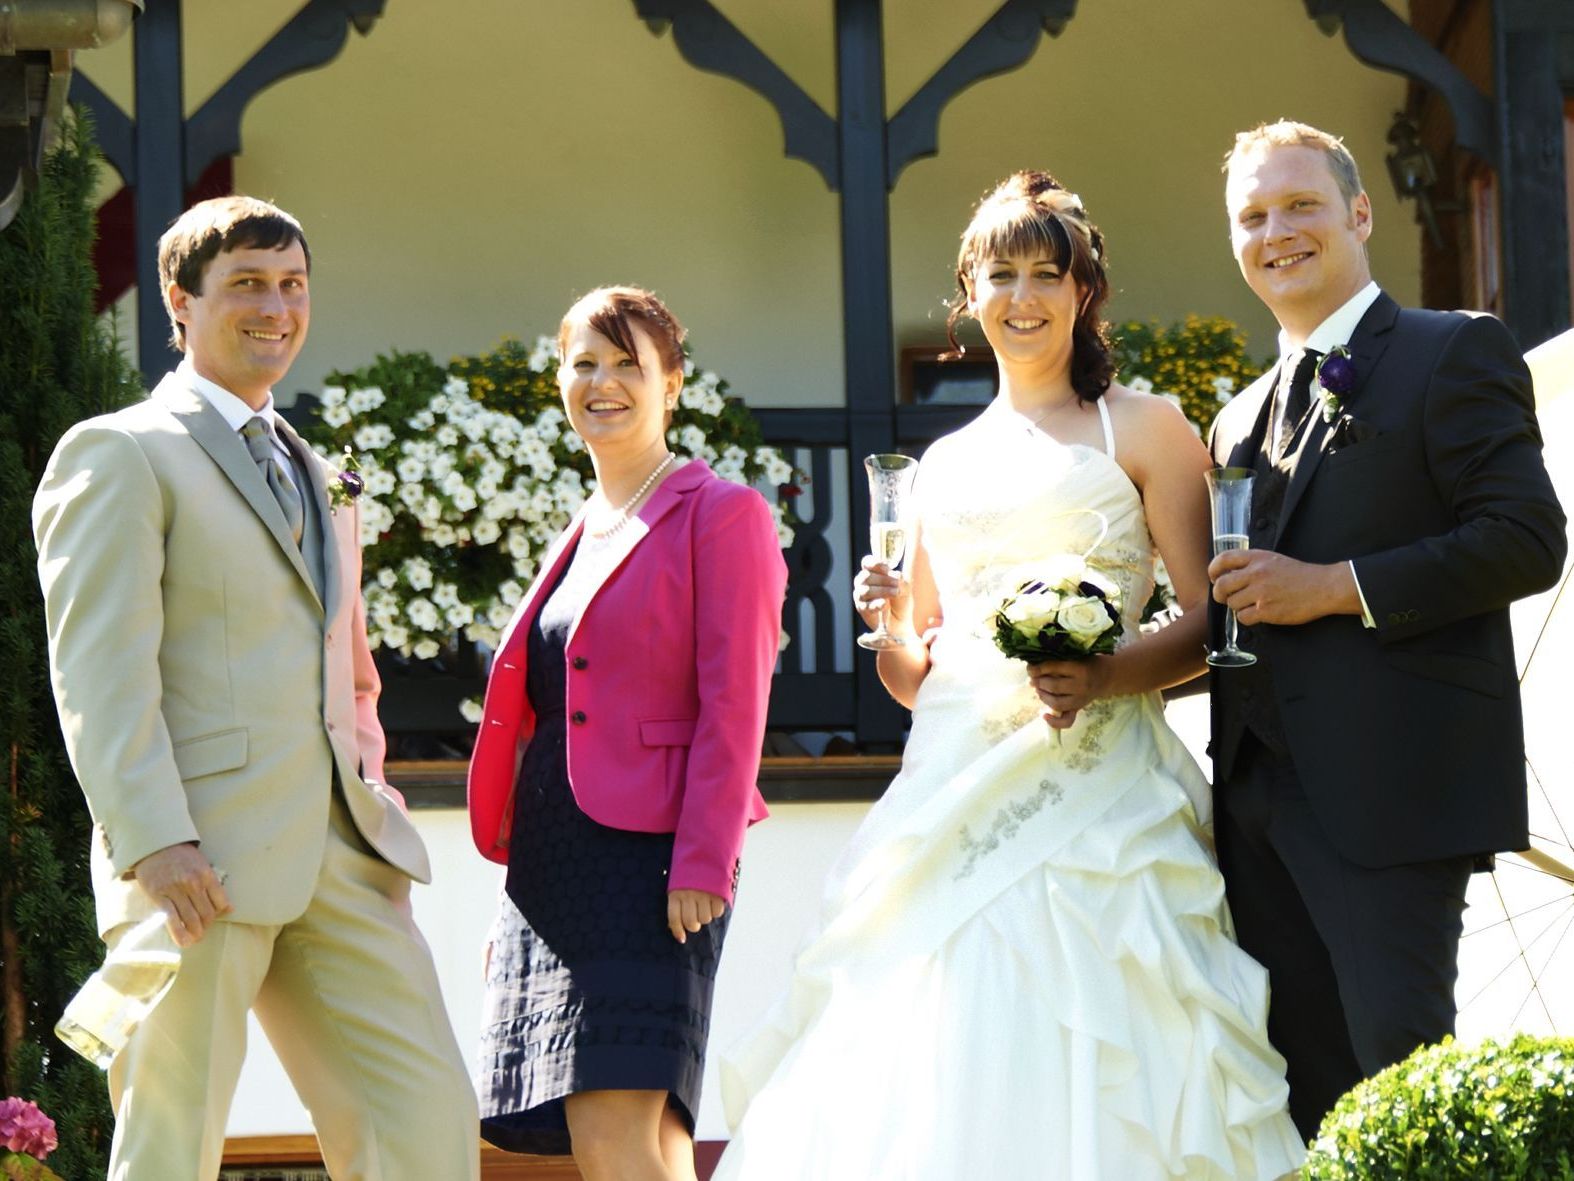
{"x":1379,"y":38}
{"x":1004,"y":42}
{"x":709,"y":41}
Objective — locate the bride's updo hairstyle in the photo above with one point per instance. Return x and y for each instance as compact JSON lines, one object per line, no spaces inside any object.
{"x":1031,"y":214}
{"x":614,"y":311}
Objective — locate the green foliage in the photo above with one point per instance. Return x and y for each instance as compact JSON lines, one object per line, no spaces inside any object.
{"x":1200,"y":363}
{"x":1488,"y":1113}
{"x":60,"y":363}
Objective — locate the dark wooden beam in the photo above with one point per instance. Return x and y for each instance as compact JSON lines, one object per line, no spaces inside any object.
{"x":161,"y":154}
{"x":1533,"y":60}
{"x":158,"y":155}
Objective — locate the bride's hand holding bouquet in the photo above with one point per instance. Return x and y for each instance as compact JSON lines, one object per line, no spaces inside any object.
{"x":1058,"y":625}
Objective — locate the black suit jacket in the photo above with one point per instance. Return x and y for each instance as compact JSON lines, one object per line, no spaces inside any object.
{"x":1407,"y":739}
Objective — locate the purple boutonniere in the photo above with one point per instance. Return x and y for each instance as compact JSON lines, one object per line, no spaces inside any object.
{"x":346,"y":486}
{"x":1335,"y":380}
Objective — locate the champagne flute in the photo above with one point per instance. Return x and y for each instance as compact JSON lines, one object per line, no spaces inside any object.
{"x":1230,"y":496}
{"x":890,"y":494}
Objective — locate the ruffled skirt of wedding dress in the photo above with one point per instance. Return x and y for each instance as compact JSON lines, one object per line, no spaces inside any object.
{"x":1085,"y":1017}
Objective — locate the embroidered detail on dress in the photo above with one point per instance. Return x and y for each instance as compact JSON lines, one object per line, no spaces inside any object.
{"x":1005,"y":824}
{"x":996,"y":729}
{"x":1089,"y":749}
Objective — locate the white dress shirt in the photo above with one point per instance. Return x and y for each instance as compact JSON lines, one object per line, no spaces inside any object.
{"x":237,"y":413}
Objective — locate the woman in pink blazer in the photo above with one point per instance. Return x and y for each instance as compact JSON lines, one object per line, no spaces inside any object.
{"x":614,"y":772}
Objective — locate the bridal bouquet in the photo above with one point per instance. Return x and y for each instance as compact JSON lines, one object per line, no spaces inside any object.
{"x":1070,"y":615}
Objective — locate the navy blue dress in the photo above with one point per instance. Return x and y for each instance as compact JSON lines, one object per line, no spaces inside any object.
{"x":586,"y":988}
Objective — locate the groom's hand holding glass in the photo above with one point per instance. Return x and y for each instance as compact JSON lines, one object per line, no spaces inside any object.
{"x":1261,"y":586}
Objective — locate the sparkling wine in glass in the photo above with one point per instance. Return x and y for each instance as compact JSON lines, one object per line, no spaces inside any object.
{"x":1230,"y":497}
{"x":890,"y":496}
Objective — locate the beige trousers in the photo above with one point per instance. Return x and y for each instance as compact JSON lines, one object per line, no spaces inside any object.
{"x":349,"y":999}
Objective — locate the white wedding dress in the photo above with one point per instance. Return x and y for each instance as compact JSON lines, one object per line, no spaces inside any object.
{"x":1023,"y":967}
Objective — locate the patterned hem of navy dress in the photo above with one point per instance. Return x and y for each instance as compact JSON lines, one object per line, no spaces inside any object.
{"x":586,"y":988}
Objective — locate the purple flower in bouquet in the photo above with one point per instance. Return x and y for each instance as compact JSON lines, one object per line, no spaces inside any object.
{"x":27,"y":1136}
{"x":346,"y":487}
{"x":1335,"y":380}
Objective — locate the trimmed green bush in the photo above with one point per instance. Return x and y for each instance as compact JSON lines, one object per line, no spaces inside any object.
{"x":1449,"y":1112}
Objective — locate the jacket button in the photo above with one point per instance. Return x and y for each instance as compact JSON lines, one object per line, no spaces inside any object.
{"x":580,"y":662}
{"x":577,"y":717}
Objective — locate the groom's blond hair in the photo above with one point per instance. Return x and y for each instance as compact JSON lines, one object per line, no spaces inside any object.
{"x":1288,"y":134}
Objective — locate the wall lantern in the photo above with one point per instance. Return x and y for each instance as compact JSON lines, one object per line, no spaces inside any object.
{"x":1414,"y":175}
{"x":38,"y":39}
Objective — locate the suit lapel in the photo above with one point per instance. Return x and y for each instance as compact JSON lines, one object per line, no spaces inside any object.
{"x":207,"y":428}
{"x":1367,"y":344}
{"x":662,"y":501}
{"x":551,"y":567}
{"x":1242,"y":451}
{"x":307,"y":463}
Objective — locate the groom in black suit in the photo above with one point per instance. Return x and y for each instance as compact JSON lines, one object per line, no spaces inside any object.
{"x":1375,"y":753}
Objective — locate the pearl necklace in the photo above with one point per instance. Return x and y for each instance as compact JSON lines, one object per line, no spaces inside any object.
{"x":622,"y":511}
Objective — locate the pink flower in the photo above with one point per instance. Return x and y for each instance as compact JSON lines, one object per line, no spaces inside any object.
{"x":24,"y":1128}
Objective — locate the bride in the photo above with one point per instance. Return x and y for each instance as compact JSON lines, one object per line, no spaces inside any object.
{"x":1024,"y":966}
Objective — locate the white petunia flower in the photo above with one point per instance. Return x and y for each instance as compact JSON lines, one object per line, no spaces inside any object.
{"x":332,"y":395}
{"x":486,"y":531}
{"x":360,"y":401}
{"x":1140,"y":385}
{"x":417,"y":573}
{"x":470,"y":710}
{"x":336,"y":416}
{"x":426,"y":649}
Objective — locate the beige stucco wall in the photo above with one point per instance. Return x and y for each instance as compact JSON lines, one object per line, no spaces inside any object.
{"x":472,"y":164}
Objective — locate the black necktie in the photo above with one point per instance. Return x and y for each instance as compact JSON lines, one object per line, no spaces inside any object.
{"x":1296,"y":398}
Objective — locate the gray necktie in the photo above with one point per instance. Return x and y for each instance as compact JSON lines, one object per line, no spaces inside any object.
{"x":259,"y":441}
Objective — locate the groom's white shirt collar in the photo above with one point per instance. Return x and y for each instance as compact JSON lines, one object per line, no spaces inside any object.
{"x":1338,"y":328}
{"x":236,"y":412}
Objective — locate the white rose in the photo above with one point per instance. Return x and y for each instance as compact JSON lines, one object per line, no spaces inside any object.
{"x":1033,"y":610}
{"x":1084,"y":618}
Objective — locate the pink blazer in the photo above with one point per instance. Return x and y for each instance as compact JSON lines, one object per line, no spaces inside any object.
{"x":669,"y":671}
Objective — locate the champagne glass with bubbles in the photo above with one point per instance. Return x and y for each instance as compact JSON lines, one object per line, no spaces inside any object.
{"x":890,"y":510}
{"x":1230,"y":496}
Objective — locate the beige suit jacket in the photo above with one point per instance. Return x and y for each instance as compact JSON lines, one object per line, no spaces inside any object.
{"x":206,"y":691}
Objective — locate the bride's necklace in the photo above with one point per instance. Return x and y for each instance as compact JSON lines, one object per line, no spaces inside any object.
{"x":1030,"y":425}
{"x":620,"y":514}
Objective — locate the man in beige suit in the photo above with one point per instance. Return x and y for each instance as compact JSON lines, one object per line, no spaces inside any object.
{"x":218,"y":698}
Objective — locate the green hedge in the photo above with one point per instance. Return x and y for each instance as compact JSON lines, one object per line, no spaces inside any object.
{"x":1491,"y":1112}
